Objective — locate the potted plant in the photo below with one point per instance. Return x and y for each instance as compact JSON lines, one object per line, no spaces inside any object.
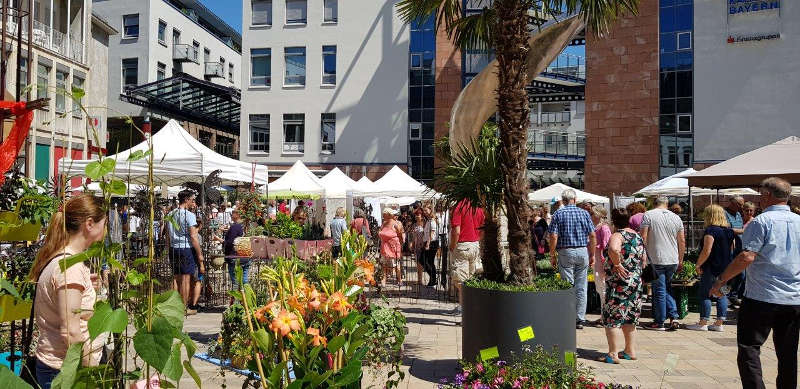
{"x":505,"y":27}
{"x":27,"y":208}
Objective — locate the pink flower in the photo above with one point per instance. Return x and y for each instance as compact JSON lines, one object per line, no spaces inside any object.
{"x":517,"y":384}
{"x":502,"y":371}
{"x":479,"y":368}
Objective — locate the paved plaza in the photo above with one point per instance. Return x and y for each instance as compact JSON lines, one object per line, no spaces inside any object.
{"x":433,"y":347}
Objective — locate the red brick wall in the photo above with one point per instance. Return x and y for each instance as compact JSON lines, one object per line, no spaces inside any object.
{"x":622,"y":105}
{"x":448,"y":83}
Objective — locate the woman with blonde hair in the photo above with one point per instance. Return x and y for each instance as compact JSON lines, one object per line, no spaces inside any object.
{"x":64,"y":300}
{"x":718,"y":240}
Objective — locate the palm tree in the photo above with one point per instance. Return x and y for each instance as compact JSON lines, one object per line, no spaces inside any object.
{"x":474,"y":174}
{"x":505,"y":28}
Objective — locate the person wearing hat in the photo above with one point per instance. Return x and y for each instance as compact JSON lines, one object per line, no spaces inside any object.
{"x":392,"y":236}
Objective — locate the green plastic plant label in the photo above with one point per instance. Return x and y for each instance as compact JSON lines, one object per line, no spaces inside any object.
{"x":569,"y":358}
{"x":525,"y":334}
{"x":490,"y":353}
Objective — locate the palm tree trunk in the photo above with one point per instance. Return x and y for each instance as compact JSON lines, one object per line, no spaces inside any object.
{"x":511,"y":48}
{"x":491,"y":258}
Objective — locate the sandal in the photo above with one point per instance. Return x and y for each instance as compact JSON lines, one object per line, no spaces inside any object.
{"x":608,"y":359}
{"x":625,"y":356}
{"x":674,"y":325}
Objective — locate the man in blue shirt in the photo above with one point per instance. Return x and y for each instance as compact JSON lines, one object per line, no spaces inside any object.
{"x":733,"y":213}
{"x":572,"y":234}
{"x":771,"y":255}
{"x":183,"y":236}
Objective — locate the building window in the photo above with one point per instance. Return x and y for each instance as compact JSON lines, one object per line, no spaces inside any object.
{"x":328,"y":133}
{"x":130,"y":26}
{"x":22,"y":82}
{"x":162,"y":32}
{"x":294,"y":128}
{"x":415,"y":131}
{"x":176,"y":36}
{"x":295,"y":66}
{"x":262,"y":12}
{"x":331,"y":11}
{"x":130,"y":73}
{"x":42,"y":81}
{"x":61,"y":91}
{"x":259,"y":133}
{"x":684,"y":123}
{"x":416,"y":61}
{"x":206,"y":55}
{"x":230,"y":72}
{"x":196,"y":50}
{"x":161,"y":71}
{"x":685,"y":40}
{"x":77,"y":83}
{"x":329,"y":65}
{"x":296,"y":11}
{"x":261,"y":67}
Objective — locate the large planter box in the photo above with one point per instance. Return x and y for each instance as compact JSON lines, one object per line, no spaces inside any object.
{"x":493,"y":318}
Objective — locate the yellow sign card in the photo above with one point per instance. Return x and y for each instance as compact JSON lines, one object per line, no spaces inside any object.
{"x":490,"y":353}
{"x":525,"y":333}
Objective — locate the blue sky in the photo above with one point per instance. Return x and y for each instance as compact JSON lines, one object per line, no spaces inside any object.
{"x":228,"y":10}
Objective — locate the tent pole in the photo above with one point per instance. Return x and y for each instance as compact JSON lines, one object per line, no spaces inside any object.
{"x":691,"y":217}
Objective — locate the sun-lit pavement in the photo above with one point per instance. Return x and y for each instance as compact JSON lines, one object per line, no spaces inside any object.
{"x":433,"y":347}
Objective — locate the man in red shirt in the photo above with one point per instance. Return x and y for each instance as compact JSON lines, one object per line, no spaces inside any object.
{"x":466,"y":223}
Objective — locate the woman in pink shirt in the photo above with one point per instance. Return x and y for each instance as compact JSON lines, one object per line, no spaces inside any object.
{"x":65,"y":300}
{"x":636,"y":209}
{"x":603,"y":233}
{"x":392,"y":236}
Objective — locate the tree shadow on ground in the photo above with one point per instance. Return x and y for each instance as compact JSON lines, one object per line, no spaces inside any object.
{"x":428,"y":370}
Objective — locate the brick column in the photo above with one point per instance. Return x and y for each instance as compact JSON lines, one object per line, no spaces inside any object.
{"x":448,"y":83}
{"x":622,"y":105}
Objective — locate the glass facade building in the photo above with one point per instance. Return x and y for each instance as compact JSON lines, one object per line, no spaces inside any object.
{"x":421,"y":99}
{"x":676,"y":44}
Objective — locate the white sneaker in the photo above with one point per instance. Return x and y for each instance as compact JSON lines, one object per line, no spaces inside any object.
{"x":697,"y":327}
{"x":719,"y":328}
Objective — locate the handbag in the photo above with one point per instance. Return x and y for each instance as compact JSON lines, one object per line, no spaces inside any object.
{"x":648,"y":275}
{"x":539,"y":246}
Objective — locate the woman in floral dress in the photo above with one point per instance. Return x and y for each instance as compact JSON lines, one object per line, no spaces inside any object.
{"x":623,"y":303}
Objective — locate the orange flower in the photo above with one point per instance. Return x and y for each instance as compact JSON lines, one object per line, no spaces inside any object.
{"x":315,"y":299}
{"x":261,"y":314}
{"x":316,"y":339}
{"x":338,"y":302}
{"x":369,"y":270}
{"x":295,"y":303}
{"x":284,"y":323}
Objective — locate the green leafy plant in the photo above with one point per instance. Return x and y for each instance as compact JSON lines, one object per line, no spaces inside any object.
{"x":542,"y":283}
{"x":688,"y":271}
{"x":385,"y":342}
{"x":284,"y":228}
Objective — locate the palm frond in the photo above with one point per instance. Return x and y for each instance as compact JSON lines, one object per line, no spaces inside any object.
{"x":474,"y":173}
{"x":598,"y":15}
{"x":475,"y":32}
{"x":447,"y":11}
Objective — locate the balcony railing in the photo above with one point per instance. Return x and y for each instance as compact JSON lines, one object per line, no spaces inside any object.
{"x":47,"y":38}
{"x":214,"y":69}
{"x":184,"y":53}
{"x":568,"y":66}
{"x":557,"y":143}
{"x":556,"y":117}
{"x":294,"y":147}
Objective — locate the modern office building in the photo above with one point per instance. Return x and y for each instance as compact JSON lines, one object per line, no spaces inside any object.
{"x":173,"y":59}
{"x":325,"y":82}
{"x":69,"y":43}
{"x":688,"y":84}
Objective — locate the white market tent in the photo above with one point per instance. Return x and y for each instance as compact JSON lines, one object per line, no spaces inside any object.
{"x":545,"y":195}
{"x":336,"y":184}
{"x":362,"y":186}
{"x":297,"y":182}
{"x":396,"y":183}
{"x":178,"y":157}
{"x":678,"y":185}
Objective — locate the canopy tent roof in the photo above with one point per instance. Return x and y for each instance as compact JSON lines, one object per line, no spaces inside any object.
{"x":363,"y":185}
{"x":397,"y":183}
{"x":337,"y":184}
{"x":545,"y":195}
{"x":177,"y":157}
{"x":781,"y":159}
{"x":678,"y":185}
{"x":297,"y":182}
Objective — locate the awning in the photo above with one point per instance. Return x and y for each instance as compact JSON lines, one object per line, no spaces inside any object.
{"x":185,"y":97}
{"x":781,"y":159}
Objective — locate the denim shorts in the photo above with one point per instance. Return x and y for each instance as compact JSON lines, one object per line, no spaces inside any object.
{"x":182,"y":260}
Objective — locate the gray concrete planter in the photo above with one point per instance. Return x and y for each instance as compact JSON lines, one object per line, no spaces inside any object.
{"x":492,"y":318}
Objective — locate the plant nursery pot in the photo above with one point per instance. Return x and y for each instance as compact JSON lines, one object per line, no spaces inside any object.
{"x":14,"y":309}
{"x":494,"y":318}
{"x":23,"y":232}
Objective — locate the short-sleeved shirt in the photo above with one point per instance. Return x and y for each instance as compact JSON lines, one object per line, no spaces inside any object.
{"x":662,"y":231}
{"x":234,"y":231}
{"x":735,"y":220}
{"x":603,"y":237}
{"x":470,"y":219}
{"x":338,"y":226}
{"x":52,"y":346}
{"x":720,"y":256}
{"x":774,"y":275}
{"x":572,"y":225}
{"x":635,"y":221}
{"x":184,"y":220}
